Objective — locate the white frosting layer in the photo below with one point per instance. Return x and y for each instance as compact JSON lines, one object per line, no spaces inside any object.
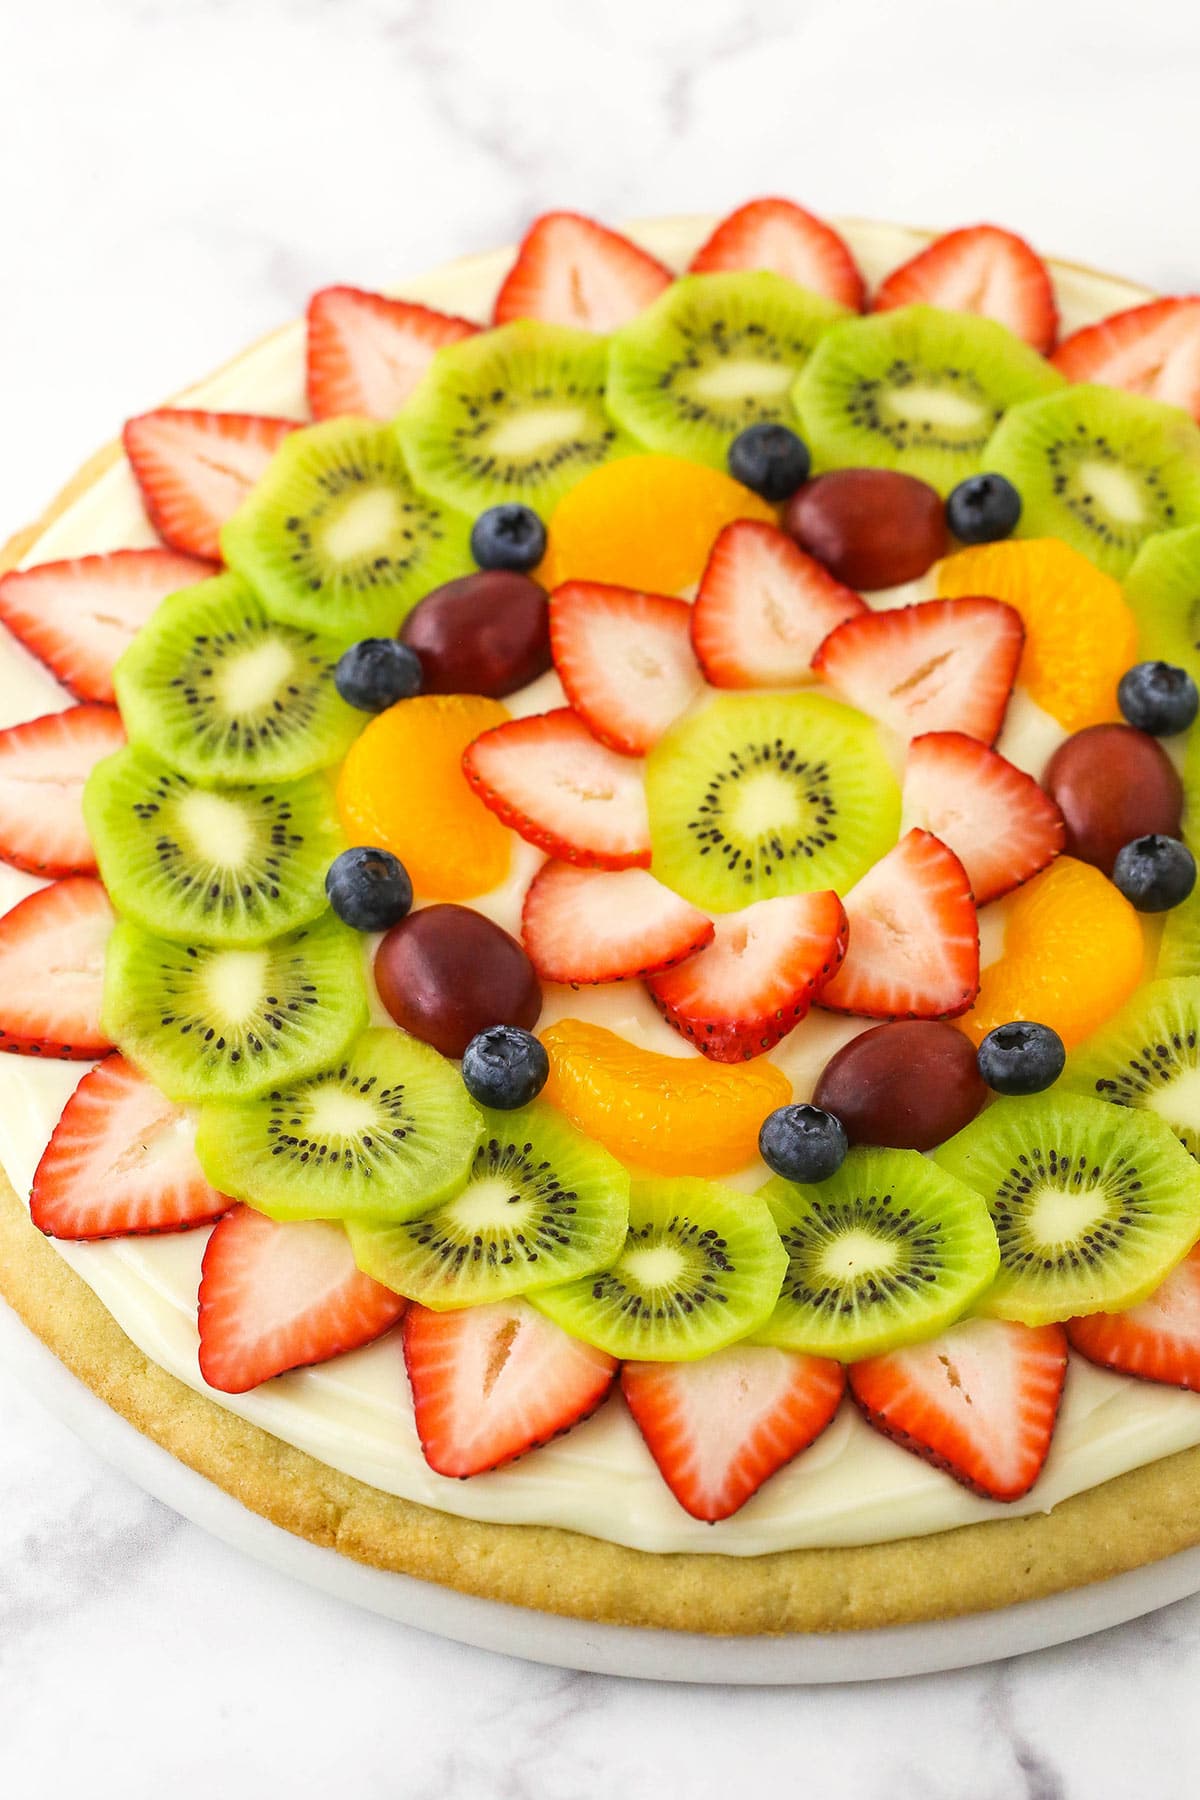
{"x":852,"y":1486}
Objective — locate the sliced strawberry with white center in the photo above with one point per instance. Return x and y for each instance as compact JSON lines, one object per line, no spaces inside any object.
{"x":779,"y":235}
{"x":1158,"y":1340}
{"x":196,"y":468}
{"x":43,"y":766}
{"x":720,"y":1427}
{"x":79,"y":616}
{"x":980,"y":1401}
{"x":367,"y":353}
{"x":122,"y":1160}
{"x":491,"y":1382}
{"x":571,"y":271}
{"x":758,"y":978}
{"x":914,"y":937}
{"x":1152,"y":350}
{"x":549,"y":779}
{"x":999,"y":823}
{"x":52,"y":950}
{"x":942,"y":665}
{"x":979,"y":269}
{"x":590,"y":925}
{"x":625,"y":660}
{"x":276,"y":1297}
{"x":764,"y":608}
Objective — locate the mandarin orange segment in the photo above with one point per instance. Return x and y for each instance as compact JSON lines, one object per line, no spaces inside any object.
{"x":645,"y":522}
{"x":672,"y":1114}
{"x":1080,"y":637}
{"x":402,"y":789}
{"x":1073,"y":953}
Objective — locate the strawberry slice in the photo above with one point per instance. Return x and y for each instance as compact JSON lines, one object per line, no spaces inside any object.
{"x":367,"y":353}
{"x":52,"y":949}
{"x":275,"y":1297}
{"x":720,"y":1427}
{"x":914,"y":937}
{"x":1157,"y":1340}
{"x":758,"y":978}
{"x":571,"y":271}
{"x":196,"y":468}
{"x":764,"y":608}
{"x":980,"y":1402}
{"x":43,"y":766}
{"x":591,"y":925}
{"x":1152,"y":349}
{"x":999,"y":823}
{"x":122,"y":1161}
{"x":942,"y":665}
{"x":625,"y":660}
{"x":550,"y":780}
{"x":79,"y":616}
{"x":979,"y":269}
{"x":780,"y":236}
{"x":491,"y":1382}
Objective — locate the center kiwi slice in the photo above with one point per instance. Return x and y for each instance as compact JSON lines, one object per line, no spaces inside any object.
{"x":699,"y":1268}
{"x":889,"y":1250}
{"x":1163,"y":588}
{"x":383,"y":1131}
{"x":1093,"y":1204}
{"x":761,"y":795}
{"x":1149,"y":1057}
{"x":542,"y":1204}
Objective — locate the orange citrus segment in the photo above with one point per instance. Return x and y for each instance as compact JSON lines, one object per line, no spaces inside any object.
{"x":644,"y":522}
{"x":1080,"y":637}
{"x":402,"y":789}
{"x":675,"y":1115}
{"x":1073,"y":953}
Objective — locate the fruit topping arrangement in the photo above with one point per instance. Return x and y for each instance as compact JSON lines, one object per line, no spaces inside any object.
{"x":698,"y":734}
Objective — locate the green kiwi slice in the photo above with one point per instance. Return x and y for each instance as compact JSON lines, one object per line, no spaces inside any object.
{"x":336,"y":538}
{"x":887,"y":1251}
{"x":915,"y":389}
{"x":207,"y":1022}
{"x":1163,"y":588}
{"x":223,"y":693}
{"x":699,"y":1268}
{"x":210,"y":865}
{"x":769,"y":794}
{"x":1093,"y":1204}
{"x":383,"y":1131}
{"x":1101,"y":469}
{"x":513,"y":414}
{"x":713,"y":354}
{"x":1149,"y":1056}
{"x":542,"y":1204}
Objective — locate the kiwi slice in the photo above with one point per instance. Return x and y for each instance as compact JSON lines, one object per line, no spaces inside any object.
{"x":1101,"y":469}
{"x":513,"y":414}
{"x":700,"y":1267}
{"x":713,"y":354}
{"x":207,"y":1022}
{"x":1093,"y":1204}
{"x":383,"y":1131}
{"x":223,"y":693}
{"x":1163,"y":588}
{"x":764,"y":794}
{"x":542,"y":1204}
{"x":889,"y":1250}
{"x":1149,"y":1056}
{"x":915,"y":389}
{"x":336,"y":538}
{"x":210,"y":865}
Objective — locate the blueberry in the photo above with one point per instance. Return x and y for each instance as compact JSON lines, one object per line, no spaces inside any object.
{"x":376,"y":672}
{"x":982,"y":509}
{"x":1158,"y":698}
{"x":769,"y":459}
{"x":368,"y":888}
{"x":508,"y":537}
{"x":1021,"y":1058}
{"x":802,"y":1143}
{"x":504,"y":1067}
{"x":1154,"y":873}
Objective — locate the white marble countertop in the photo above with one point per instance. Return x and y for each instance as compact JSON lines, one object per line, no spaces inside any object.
{"x":175,"y":176}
